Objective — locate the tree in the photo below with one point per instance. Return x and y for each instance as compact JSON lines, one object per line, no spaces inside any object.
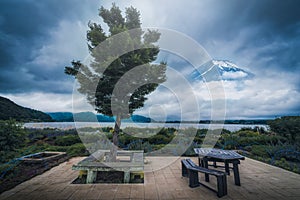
{"x":12,"y":137}
{"x":287,"y":126}
{"x":116,"y":84}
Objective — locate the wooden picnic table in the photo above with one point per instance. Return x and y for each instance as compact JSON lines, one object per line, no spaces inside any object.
{"x":219,"y":155}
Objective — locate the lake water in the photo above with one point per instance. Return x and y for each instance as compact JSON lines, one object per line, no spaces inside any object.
{"x":72,"y":125}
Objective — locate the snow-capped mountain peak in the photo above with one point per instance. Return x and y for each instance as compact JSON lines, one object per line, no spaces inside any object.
{"x":220,"y":69}
{"x":224,"y":63}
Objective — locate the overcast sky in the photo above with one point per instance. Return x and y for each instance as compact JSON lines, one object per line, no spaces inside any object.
{"x":39,"y":38}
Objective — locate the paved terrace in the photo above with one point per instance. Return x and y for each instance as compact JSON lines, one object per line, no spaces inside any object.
{"x":259,"y":181}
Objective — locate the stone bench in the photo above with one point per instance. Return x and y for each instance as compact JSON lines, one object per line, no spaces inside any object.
{"x":97,"y":162}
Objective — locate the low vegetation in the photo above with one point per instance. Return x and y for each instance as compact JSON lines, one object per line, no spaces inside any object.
{"x":278,"y":146}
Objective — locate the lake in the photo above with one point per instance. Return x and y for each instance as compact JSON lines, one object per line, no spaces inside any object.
{"x":71,"y":125}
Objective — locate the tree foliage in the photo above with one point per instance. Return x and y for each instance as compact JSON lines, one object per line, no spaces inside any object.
{"x":122,"y":72}
{"x":288,"y":127}
{"x":106,"y":77}
{"x":12,"y":137}
{"x":10,"y":110}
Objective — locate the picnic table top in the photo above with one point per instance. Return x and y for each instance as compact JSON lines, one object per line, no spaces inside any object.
{"x":218,"y":154}
{"x":127,"y":160}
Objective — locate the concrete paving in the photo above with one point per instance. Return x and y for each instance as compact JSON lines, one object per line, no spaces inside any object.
{"x":259,"y":181}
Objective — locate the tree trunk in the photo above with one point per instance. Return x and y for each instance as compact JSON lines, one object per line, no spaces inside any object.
{"x":113,"y":152}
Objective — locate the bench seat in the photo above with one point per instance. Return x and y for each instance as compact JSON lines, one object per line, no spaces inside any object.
{"x":191,"y":170}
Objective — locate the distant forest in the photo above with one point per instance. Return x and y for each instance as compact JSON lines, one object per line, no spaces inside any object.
{"x":10,"y":110}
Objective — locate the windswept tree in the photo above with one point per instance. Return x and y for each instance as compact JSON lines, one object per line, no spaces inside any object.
{"x":122,"y":71}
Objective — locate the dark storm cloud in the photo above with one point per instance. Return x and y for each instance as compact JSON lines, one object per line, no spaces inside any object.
{"x":271,"y":28}
{"x":227,"y":18}
{"x":25,"y":27}
{"x":25,"y":23}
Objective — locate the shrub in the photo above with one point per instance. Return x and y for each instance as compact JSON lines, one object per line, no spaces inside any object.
{"x":77,"y":150}
{"x":260,"y":150}
{"x":190,"y":151}
{"x":57,"y":148}
{"x":247,"y":133}
{"x":67,"y":140}
{"x":288,"y":127}
{"x":139,"y":145}
{"x":12,"y":137}
{"x":159,"y":139}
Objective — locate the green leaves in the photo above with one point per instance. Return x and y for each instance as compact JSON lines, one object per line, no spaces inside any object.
{"x":121,"y":72}
{"x":113,"y":18}
{"x":95,"y":35}
{"x":288,"y":127}
{"x":12,"y":137}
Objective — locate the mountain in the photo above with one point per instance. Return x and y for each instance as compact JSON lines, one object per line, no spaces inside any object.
{"x":91,"y":117}
{"x":61,"y":116}
{"x":9,"y":109}
{"x":215,"y":70}
{"x":138,"y":119}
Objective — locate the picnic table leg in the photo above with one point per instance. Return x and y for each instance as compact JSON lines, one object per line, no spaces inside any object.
{"x":200,"y":162}
{"x":215,"y":164}
{"x":91,"y":176}
{"x":227,"y":168}
{"x":205,"y":164}
{"x":221,"y":185}
{"x":126,"y":176}
{"x":236,"y":173}
{"x":193,"y":179}
{"x":184,"y":170}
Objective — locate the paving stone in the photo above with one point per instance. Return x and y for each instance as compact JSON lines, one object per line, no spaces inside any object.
{"x":259,"y":181}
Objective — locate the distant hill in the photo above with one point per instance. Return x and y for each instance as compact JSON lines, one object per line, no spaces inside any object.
{"x":61,"y":116}
{"x":91,"y":117}
{"x":9,"y":109}
{"x":139,"y":118}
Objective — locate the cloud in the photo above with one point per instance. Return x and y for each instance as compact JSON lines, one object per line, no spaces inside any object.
{"x":257,"y":97}
{"x":234,"y":75}
{"x":46,"y":102}
{"x":39,"y":38}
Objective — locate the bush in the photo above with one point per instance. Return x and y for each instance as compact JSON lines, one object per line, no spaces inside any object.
{"x":190,"y":151}
{"x":159,"y":139}
{"x":140,"y":145}
{"x":12,"y":137}
{"x":229,"y":141}
{"x":283,"y":164}
{"x":288,"y":127}
{"x":77,"y":150}
{"x":276,"y":152}
{"x":67,"y":140}
{"x":247,"y":133}
{"x":57,"y":148}
{"x":125,"y":140}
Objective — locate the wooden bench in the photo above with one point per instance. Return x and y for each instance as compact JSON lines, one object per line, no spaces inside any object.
{"x":190,"y":170}
{"x":220,"y":155}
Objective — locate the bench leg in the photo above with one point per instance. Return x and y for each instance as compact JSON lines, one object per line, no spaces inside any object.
{"x":91,"y":176}
{"x":222,"y":185}
{"x":126,"y":176}
{"x":193,"y":179}
{"x":184,"y":171}
{"x":227,"y":168}
{"x":236,"y":173}
{"x":200,"y":162}
{"x":215,"y":164}
{"x":205,"y":164}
